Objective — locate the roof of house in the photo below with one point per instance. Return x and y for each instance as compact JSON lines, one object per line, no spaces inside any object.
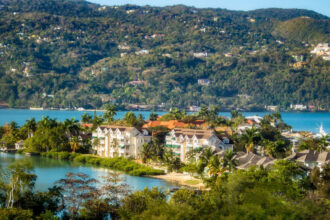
{"x":87,"y":125}
{"x":193,"y":132}
{"x":172,"y":124}
{"x":246,"y":160}
{"x":310,"y":156}
{"x":20,"y":142}
{"x":119,"y":127}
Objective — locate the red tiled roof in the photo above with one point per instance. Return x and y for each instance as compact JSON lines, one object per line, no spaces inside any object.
{"x":87,"y":125}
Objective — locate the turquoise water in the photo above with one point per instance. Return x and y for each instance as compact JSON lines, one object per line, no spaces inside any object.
{"x":51,"y":170}
{"x":300,"y":121}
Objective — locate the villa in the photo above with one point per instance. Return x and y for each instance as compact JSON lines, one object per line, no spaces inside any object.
{"x":181,"y":141}
{"x":115,"y":140}
{"x":19,"y":145}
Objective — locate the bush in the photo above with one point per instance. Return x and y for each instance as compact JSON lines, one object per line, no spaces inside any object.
{"x":117,"y":163}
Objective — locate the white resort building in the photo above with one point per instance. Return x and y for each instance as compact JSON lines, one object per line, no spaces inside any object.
{"x":113,"y":140}
{"x":183,"y":140}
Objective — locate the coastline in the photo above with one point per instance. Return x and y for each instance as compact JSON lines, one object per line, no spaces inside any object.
{"x":181,"y":179}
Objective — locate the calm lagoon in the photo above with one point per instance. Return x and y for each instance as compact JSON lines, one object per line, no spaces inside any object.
{"x":50,"y":170}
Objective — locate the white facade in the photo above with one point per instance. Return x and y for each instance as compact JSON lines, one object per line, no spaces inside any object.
{"x":298,"y":107}
{"x":183,"y":140}
{"x":119,"y":141}
{"x":19,"y":145}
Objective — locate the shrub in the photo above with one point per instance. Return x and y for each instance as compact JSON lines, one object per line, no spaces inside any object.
{"x":118,"y":163}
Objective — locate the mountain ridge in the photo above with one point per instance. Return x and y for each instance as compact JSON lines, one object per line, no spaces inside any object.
{"x":49,"y":50}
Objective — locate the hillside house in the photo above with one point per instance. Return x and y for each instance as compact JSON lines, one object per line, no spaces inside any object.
{"x":136,"y":83}
{"x":200,"y":54}
{"x":321,"y":48}
{"x":115,"y":140}
{"x":299,"y":107}
{"x":142,"y":52}
{"x":203,"y":82}
{"x":271,"y":107}
{"x":19,"y":145}
{"x":181,"y":141}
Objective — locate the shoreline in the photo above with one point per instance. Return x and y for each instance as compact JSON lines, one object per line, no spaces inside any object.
{"x":181,"y":179}
{"x":160,"y":110}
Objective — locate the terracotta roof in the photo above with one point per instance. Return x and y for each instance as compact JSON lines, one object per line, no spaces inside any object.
{"x":87,"y":125}
{"x":169,"y":124}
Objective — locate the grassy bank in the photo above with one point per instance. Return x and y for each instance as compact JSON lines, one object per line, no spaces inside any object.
{"x":117,"y":163}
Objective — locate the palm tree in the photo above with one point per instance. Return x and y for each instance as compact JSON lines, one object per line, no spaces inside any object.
{"x":204,"y":159}
{"x":47,"y":123}
{"x":31,"y":126}
{"x":203,"y":112}
{"x":213,"y":113}
{"x":178,"y":114}
{"x":86,"y":118}
{"x":146,"y":152}
{"x":215,"y":167}
{"x":322,"y":143}
{"x":153,"y":116}
{"x":74,"y":143}
{"x":250,"y":138}
{"x":111,"y":112}
{"x":72,"y":126}
{"x":130,"y":118}
{"x":228,"y":161}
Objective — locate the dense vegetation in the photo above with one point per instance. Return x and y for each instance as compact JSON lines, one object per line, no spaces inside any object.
{"x":283,"y":192}
{"x":117,"y":163}
{"x":63,"y":53}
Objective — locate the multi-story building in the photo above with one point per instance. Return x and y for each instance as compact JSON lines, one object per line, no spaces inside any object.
{"x":183,"y":140}
{"x":113,"y":140}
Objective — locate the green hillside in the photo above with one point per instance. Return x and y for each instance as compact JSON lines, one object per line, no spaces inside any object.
{"x":304,"y":29}
{"x":62,"y":53}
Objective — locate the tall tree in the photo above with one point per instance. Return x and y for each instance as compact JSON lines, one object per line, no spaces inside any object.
{"x":77,"y":189}
{"x":31,"y":126}
{"x":111,"y":112}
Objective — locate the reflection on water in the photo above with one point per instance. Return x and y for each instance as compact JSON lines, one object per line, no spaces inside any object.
{"x":51,"y":170}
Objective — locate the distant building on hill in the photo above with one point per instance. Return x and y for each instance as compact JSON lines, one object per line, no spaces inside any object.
{"x":322,"y":49}
{"x":200,"y":54}
{"x":142,"y":52}
{"x":203,"y":82}
{"x":271,"y":107}
{"x":298,"y":107}
{"x":194,"y":108}
{"x":136,"y":83}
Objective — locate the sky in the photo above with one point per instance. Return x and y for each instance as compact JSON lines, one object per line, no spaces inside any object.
{"x":320,"y":6}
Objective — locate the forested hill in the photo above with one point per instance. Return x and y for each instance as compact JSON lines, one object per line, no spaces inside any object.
{"x":60,"y":53}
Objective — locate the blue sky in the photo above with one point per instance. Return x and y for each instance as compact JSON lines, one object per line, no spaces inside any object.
{"x":320,"y":6}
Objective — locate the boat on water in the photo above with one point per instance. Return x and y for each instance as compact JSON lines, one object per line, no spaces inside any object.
{"x":322,"y":132}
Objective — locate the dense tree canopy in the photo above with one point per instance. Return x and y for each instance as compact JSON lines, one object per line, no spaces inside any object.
{"x":64,"y":53}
